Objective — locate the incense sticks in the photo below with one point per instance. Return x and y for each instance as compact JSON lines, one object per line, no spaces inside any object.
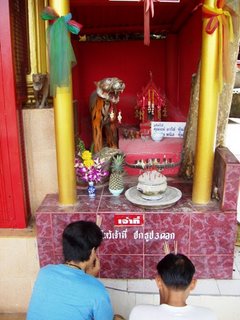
{"x":167,"y":250}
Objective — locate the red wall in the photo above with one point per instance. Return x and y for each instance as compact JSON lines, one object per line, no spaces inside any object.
{"x":130,"y":61}
{"x":172,"y":62}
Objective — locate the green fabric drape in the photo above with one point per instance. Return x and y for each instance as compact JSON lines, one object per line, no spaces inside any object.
{"x":61,"y":55}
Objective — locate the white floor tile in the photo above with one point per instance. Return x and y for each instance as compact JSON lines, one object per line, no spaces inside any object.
{"x":144,"y":286}
{"x":206,"y":287}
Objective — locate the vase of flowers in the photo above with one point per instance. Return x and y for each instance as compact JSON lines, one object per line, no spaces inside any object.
{"x":90,"y":170}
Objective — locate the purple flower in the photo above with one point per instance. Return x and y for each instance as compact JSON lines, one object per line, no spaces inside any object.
{"x":94,"y":173}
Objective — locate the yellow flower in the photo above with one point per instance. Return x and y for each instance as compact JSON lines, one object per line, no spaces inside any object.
{"x":88,"y":163}
{"x":87,"y":155}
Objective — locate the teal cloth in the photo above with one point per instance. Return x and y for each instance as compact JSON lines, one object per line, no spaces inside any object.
{"x":61,"y":55}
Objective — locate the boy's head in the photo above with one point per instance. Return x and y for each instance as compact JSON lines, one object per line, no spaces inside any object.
{"x":176,"y":271}
{"x":79,"y":239}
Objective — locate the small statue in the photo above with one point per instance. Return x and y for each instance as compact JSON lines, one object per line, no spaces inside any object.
{"x":103,"y":111}
{"x":40,"y":89}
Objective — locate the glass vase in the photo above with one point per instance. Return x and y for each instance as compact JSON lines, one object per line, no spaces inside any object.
{"x":91,"y":189}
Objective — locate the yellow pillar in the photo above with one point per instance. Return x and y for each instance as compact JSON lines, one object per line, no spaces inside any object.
{"x":64,"y":130}
{"x":207,"y":117}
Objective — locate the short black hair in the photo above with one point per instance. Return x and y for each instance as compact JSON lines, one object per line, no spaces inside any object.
{"x":78,"y":240}
{"x":176,"y":271}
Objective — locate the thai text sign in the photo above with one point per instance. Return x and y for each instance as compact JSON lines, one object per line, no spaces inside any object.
{"x":126,"y":234}
{"x":128,"y":220}
{"x":168,"y":129}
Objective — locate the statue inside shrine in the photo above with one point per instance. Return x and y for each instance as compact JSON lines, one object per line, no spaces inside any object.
{"x":104,"y":113}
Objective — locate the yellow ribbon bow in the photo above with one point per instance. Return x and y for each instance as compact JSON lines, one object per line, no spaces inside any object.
{"x":221,"y":20}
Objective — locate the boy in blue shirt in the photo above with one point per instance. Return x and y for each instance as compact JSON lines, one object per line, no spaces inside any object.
{"x":70,"y":290}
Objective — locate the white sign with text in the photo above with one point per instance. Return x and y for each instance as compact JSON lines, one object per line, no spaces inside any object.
{"x":168,"y":129}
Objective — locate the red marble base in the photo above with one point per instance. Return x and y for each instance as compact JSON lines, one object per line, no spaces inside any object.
{"x":134,"y":237}
{"x":205,"y":233}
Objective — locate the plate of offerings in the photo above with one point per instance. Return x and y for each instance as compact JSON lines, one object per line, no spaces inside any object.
{"x":167,"y":199}
{"x":152,"y":191}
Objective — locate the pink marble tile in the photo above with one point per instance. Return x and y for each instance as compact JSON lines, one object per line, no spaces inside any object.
{"x":231,"y":187}
{"x":44,"y":225}
{"x":84,"y":204}
{"x":87,"y":204}
{"x":166,"y":227}
{"x":116,"y":204}
{"x":184,"y":205}
{"x":46,"y":258}
{"x":59,"y":258}
{"x":50,"y":200}
{"x":213,"y":233}
{"x":51,"y":204}
{"x":45,"y":247}
{"x":45,"y":251}
{"x":45,"y":244}
{"x":121,"y":266}
{"x":212,"y":206}
{"x":216,"y":267}
{"x":213,"y":266}
{"x":150,"y":265}
{"x":56,"y":208}
{"x":227,"y":177}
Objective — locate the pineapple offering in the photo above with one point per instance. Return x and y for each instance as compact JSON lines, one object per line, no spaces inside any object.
{"x":116,"y":186}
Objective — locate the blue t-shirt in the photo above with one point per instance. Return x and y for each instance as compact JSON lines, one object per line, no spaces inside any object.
{"x":65,"y":293}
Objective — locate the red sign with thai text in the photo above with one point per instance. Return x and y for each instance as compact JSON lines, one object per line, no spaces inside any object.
{"x":129,"y":220}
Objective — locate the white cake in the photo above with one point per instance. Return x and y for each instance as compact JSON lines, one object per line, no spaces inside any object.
{"x":152,"y":183}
